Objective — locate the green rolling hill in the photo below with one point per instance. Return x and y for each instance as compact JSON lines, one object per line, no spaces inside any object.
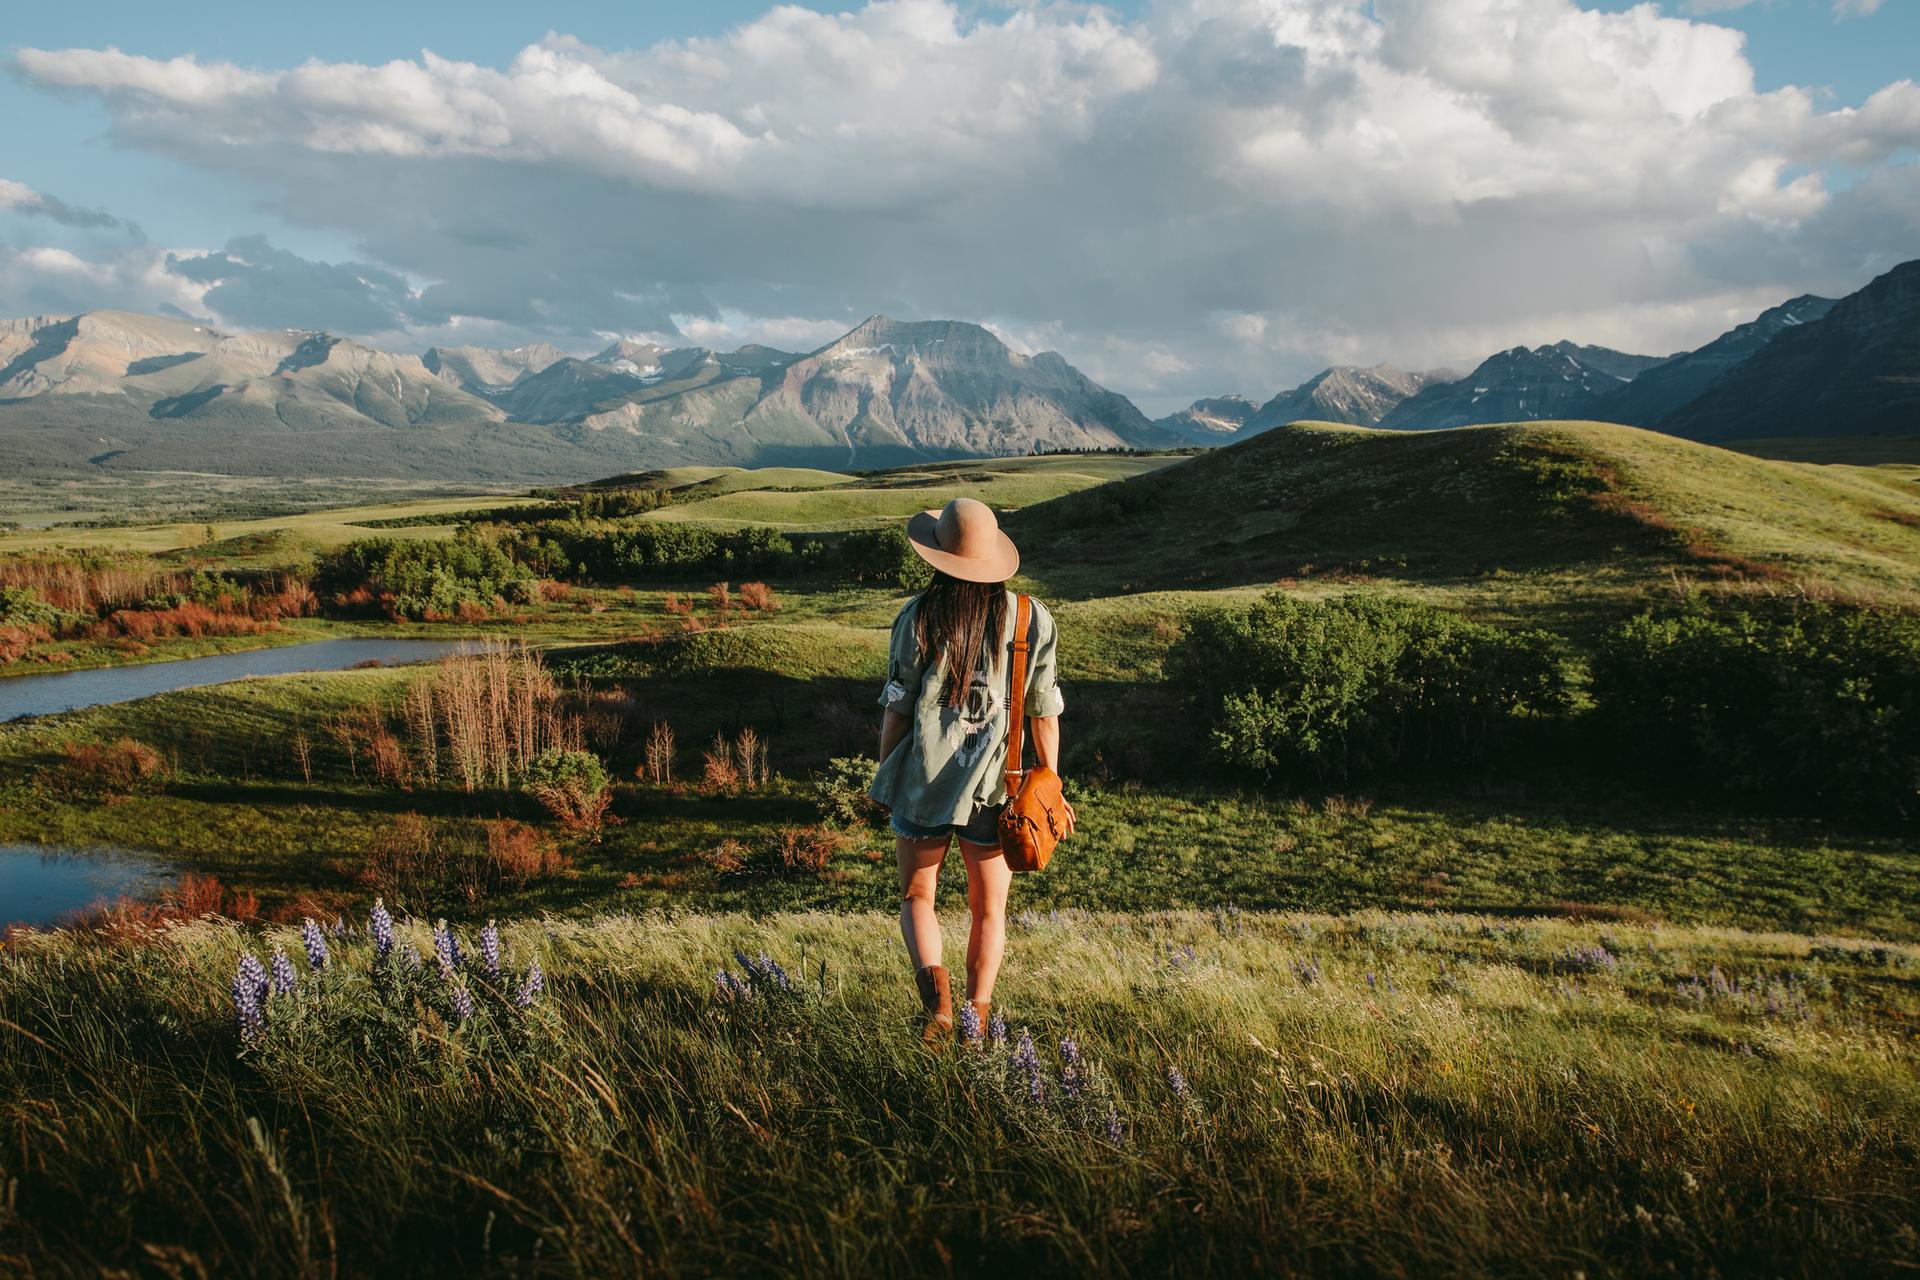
{"x":1319,"y":500}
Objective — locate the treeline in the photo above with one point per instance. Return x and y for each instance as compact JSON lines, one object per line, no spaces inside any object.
{"x":585,"y":504}
{"x":490,"y":568}
{"x":1815,"y":707}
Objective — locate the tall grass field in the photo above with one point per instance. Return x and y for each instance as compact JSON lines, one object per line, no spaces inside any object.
{"x":1192,"y":1093}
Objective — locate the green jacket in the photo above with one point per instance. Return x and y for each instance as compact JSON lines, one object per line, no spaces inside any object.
{"x":953,"y":760}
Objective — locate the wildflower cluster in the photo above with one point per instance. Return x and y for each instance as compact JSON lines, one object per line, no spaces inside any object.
{"x":763,"y":976}
{"x":1177,"y":959}
{"x":1307,"y":971}
{"x":1588,"y":959}
{"x":530,"y":986}
{"x":1078,"y":1094}
{"x":316,"y":944}
{"x":249,"y":994}
{"x":446,"y":950}
{"x":490,"y":951}
{"x":1073,"y":1069}
{"x":1764,"y":996}
{"x":1026,"y":1065}
{"x":380,"y":929}
{"x":1177,"y":1081}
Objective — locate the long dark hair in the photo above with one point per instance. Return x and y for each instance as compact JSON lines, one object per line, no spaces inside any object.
{"x":956,"y":618}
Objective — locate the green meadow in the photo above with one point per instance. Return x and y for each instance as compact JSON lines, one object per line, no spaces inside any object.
{"x":1523,"y":1002}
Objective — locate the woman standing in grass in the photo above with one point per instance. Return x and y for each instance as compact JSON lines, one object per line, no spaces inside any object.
{"x":943,"y":741}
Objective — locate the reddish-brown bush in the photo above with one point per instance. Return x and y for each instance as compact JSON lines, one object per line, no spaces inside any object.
{"x":804,"y":851}
{"x":522,"y":853}
{"x":114,"y":769}
{"x":758,"y":596}
{"x":15,"y":641}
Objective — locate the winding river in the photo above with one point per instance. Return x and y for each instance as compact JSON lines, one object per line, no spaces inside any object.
{"x":55,"y":691}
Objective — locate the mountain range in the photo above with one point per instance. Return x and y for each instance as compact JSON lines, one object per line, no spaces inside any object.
{"x":120,"y":391}
{"x":134,"y":392}
{"x":1810,"y":366}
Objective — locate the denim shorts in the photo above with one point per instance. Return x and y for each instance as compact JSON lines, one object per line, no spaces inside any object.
{"x":982,"y":828}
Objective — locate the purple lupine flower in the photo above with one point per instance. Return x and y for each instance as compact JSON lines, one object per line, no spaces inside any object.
{"x":409,"y":956}
{"x":316,"y":944}
{"x":767,"y":968}
{"x":1177,"y":1082}
{"x":249,"y":986}
{"x":462,"y":1002}
{"x":1026,"y":1060}
{"x":380,"y":925}
{"x":1073,"y":1074}
{"x":1307,"y":971}
{"x":1370,"y":986}
{"x":970,"y":1029}
{"x":339,"y":927}
{"x":997,"y":1028}
{"x":531,"y":986}
{"x":490,"y":950}
{"x":446,"y":949}
{"x":1116,"y":1132}
{"x":732,"y":986}
{"x":282,"y":974}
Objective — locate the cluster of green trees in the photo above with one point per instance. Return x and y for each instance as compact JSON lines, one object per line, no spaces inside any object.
{"x":421,"y":579}
{"x":1815,"y":705}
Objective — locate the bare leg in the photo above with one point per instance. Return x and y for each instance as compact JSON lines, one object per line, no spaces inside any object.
{"x":919,"y":862}
{"x":987,"y":879}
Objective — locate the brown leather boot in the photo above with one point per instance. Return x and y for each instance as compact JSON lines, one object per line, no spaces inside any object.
{"x":936,"y":1001}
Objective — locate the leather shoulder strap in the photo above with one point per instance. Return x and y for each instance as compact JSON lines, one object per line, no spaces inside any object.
{"x":1017,"y":693}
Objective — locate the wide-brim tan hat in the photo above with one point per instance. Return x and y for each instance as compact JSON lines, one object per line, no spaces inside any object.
{"x":964,"y":541}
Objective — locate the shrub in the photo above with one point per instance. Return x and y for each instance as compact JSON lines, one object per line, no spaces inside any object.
{"x":522,"y":854}
{"x":841,"y":793}
{"x":1329,"y":688}
{"x":1818,"y":703}
{"x":115,"y":769}
{"x":883,"y":557}
{"x":572,"y":786}
{"x":22,"y":606}
{"x":739,"y":763}
{"x":16,"y":641}
{"x":803,"y":851}
{"x":759,"y":597}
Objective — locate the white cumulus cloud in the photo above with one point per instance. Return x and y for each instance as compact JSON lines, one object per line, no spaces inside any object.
{"x":1222,"y":195}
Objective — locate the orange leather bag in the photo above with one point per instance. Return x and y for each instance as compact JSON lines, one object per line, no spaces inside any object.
{"x":1035,"y":817}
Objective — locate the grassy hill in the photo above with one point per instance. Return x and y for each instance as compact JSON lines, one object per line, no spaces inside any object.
{"x":887,"y":496}
{"x":1607,"y":503}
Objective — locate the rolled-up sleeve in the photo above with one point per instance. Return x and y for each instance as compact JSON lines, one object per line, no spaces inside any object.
{"x":1043,"y":674}
{"x":904,"y":668}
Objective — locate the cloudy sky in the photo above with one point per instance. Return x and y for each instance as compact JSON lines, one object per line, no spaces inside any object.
{"x":1185,"y":197}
